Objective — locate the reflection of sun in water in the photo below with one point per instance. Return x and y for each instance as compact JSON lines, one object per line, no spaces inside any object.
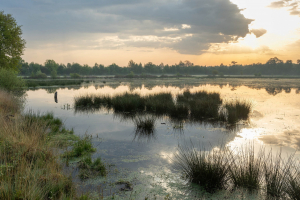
{"x":245,"y":135}
{"x":169,"y":156}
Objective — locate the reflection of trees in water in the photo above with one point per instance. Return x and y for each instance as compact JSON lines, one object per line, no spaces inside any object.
{"x":271,"y":88}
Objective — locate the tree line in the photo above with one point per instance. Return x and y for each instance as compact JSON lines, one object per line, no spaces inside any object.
{"x":274,"y":66}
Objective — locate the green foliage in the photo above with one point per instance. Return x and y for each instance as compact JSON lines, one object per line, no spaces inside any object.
{"x":80,"y":148}
{"x":9,"y":80}
{"x":89,"y":168}
{"x":74,"y":75}
{"x":53,"y":74}
{"x":39,"y":75}
{"x":12,"y":44}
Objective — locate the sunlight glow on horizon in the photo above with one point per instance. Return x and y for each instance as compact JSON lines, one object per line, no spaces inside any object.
{"x":282,"y":30}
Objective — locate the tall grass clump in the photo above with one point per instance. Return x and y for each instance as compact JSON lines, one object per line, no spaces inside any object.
{"x":159,"y":103}
{"x":236,"y":110}
{"x":81,"y":148}
{"x":179,"y":111}
{"x":83,"y":101}
{"x":29,"y":166}
{"x":276,"y":173}
{"x":8,"y":103}
{"x":246,"y":170}
{"x":207,"y":169}
{"x":292,"y":183}
{"x":145,"y":124}
{"x":89,"y":168}
{"x":128,"y":103}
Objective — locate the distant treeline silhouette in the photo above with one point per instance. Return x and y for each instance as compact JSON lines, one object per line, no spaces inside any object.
{"x":273,"y":66}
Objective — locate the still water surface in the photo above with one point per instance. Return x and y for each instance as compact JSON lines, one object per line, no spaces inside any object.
{"x":147,"y":161}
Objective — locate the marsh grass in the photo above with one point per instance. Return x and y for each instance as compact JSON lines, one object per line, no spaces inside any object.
{"x":144,"y":127}
{"x":276,"y":173}
{"x":89,"y":168}
{"x":29,"y":168}
{"x":240,"y":169}
{"x":179,"y":112}
{"x":246,"y":170}
{"x":128,"y":103}
{"x":236,"y":110}
{"x":207,"y":169}
{"x":198,"y":106}
{"x":81,"y":148}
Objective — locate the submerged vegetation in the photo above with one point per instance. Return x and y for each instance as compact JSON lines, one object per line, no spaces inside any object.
{"x":199,"y":106}
{"x":226,"y":169}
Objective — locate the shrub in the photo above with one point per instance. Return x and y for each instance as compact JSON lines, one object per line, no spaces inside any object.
{"x":10,"y":81}
{"x":74,"y":75}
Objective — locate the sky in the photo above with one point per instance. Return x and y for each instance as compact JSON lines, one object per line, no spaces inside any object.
{"x":205,"y":32}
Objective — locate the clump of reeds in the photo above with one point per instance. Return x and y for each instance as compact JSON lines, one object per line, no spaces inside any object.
{"x":81,"y":148}
{"x":246,"y":169}
{"x":145,"y":124}
{"x":236,"y":110}
{"x":276,"y":173}
{"x":159,"y":103}
{"x":83,"y":101}
{"x":128,"y":103}
{"x":179,"y":111}
{"x":89,"y":168}
{"x":208,"y":169}
{"x":221,"y":169}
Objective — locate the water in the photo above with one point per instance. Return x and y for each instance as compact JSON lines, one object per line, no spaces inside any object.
{"x":147,"y":162}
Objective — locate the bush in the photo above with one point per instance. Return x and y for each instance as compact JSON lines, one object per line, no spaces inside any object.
{"x":74,"y":75}
{"x":39,"y":75}
{"x":9,"y":80}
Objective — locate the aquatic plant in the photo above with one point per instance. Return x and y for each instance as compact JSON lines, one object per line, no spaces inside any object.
{"x":179,"y":112}
{"x":276,"y":174}
{"x":246,"y":169}
{"x":128,"y":103}
{"x":292,"y":182}
{"x":208,"y":169}
{"x":81,"y":148}
{"x":144,"y":127}
{"x":89,"y":168}
{"x":237,"y":110}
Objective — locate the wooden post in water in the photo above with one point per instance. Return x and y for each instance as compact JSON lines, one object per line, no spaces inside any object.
{"x":55,"y":97}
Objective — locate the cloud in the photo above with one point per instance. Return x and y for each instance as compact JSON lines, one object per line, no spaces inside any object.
{"x":293,"y":6}
{"x":237,"y":49}
{"x":277,"y":4}
{"x":186,"y":26}
{"x":258,"y":32}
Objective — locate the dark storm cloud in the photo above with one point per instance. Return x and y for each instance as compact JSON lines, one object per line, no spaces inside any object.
{"x":187,"y":26}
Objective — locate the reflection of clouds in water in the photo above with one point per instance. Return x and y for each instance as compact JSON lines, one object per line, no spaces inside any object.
{"x":287,"y":138}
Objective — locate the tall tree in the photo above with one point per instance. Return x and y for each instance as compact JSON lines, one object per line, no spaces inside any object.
{"x":11,"y":43}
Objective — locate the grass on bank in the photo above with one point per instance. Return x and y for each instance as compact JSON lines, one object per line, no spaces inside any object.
{"x":226,"y":169}
{"x":30,"y":165}
{"x":29,"y":168}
